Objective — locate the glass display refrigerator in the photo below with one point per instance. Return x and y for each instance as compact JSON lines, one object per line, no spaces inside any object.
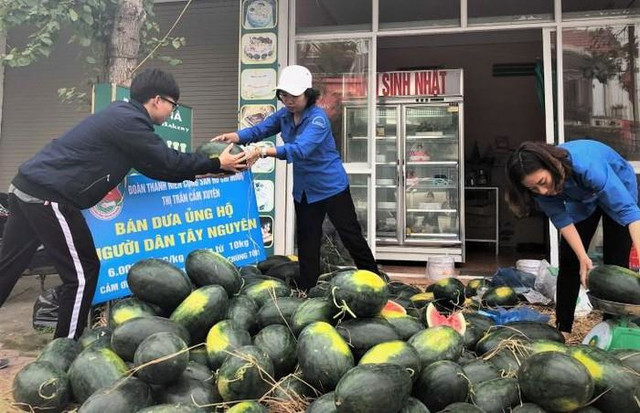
{"x":419,"y":187}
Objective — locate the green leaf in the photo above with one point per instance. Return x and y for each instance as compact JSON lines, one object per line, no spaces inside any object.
{"x":73,"y":15}
{"x":8,"y":57}
{"x":90,"y":59}
{"x":85,"y":41}
{"x":175,"y":62}
{"x":23,"y":61}
{"x":176,"y":43}
{"x":87,"y":18}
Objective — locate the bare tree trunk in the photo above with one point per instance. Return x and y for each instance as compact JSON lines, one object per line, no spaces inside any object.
{"x":125,"y":41}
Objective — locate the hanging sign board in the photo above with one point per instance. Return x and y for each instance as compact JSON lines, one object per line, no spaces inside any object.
{"x":420,"y":83}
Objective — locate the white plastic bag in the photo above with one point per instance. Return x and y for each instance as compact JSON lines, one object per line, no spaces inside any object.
{"x":546,"y":280}
{"x":547,"y":283}
{"x":583,"y":306}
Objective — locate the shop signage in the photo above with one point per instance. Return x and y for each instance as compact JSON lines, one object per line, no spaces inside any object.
{"x":420,"y":83}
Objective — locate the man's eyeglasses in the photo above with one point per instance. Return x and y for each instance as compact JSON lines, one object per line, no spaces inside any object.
{"x":174,"y":104}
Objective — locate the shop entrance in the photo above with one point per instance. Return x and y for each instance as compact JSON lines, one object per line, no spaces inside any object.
{"x":504,"y":106}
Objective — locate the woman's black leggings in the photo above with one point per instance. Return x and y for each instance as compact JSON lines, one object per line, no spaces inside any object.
{"x":616,"y":247}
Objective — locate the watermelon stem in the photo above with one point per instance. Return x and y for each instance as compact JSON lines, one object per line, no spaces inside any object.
{"x":513,"y":344}
{"x":46,"y":383}
{"x":294,"y":397}
{"x":272,"y":293}
{"x":344,"y":308}
{"x":161,"y":359}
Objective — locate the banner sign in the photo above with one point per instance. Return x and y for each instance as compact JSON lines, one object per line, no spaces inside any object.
{"x":420,"y":83}
{"x":144,"y":218}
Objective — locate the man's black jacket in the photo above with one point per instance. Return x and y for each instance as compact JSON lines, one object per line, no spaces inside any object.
{"x":85,"y":163}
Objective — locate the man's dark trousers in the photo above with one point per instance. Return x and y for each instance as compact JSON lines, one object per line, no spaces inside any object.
{"x":67,"y":241}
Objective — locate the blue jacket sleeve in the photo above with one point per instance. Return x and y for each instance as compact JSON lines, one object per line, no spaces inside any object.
{"x":313,"y":135}
{"x":613,"y":195}
{"x":555,"y":209}
{"x":268,"y":127}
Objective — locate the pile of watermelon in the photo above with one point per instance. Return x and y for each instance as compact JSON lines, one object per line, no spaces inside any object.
{"x":221,"y":338}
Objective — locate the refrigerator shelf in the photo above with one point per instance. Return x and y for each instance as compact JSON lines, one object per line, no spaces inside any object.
{"x":441,"y":211}
{"x":433,"y":163}
{"x":432,"y":235}
{"x":423,"y":188}
{"x":438,"y":137}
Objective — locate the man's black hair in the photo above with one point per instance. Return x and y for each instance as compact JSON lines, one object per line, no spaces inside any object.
{"x":153,"y":82}
{"x":311,"y":94}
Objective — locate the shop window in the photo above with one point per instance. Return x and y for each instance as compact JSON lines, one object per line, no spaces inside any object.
{"x":313,"y":16}
{"x":340,"y":73}
{"x":398,"y":14}
{"x":598,"y":8}
{"x":600,"y":77}
{"x":518,"y":11}
{"x":359,"y":186}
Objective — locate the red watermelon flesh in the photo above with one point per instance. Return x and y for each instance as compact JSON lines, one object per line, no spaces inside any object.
{"x":454,"y":320}
{"x":393,"y":309}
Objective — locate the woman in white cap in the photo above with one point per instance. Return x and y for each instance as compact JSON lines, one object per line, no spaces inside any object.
{"x":320,"y":183}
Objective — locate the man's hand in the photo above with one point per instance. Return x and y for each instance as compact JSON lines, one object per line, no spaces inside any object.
{"x":585,"y":267}
{"x":227,"y":137}
{"x":232,"y":163}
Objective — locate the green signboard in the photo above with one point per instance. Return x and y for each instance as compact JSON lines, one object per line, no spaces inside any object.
{"x":176,"y":131}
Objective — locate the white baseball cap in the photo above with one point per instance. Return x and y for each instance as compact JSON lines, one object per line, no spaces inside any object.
{"x":294,"y":80}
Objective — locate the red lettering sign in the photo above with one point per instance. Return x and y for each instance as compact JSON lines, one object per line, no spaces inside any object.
{"x":420,"y":83}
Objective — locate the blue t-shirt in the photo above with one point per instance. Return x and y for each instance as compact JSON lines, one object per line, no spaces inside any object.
{"x":317,"y":168}
{"x":601,"y":177}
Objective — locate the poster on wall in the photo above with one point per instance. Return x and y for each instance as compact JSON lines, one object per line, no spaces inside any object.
{"x":144,"y":218}
{"x":259,"y":14}
{"x":257,"y":100}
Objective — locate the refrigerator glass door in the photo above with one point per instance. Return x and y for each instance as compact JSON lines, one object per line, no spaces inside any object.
{"x":387,"y":174}
{"x":356,"y":137}
{"x":430,"y":170}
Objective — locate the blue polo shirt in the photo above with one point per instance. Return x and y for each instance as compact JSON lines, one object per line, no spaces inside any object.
{"x":601,"y":177}
{"x":310,"y":146}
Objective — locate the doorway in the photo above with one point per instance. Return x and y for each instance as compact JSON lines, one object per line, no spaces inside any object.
{"x":504,"y":106}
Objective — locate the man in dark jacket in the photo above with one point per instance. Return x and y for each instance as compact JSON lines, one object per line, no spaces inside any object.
{"x":75,"y":172}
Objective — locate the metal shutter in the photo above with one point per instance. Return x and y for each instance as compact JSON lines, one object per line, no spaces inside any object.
{"x":208,"y":75}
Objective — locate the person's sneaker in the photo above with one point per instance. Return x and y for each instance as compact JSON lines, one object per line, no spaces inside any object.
{"x":4,"y":363}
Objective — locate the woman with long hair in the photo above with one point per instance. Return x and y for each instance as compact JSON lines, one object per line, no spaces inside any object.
{"x":575,"y":184}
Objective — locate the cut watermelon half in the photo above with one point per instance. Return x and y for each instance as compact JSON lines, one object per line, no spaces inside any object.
{"x":393,"y":310}
{"x":455,"y":320}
